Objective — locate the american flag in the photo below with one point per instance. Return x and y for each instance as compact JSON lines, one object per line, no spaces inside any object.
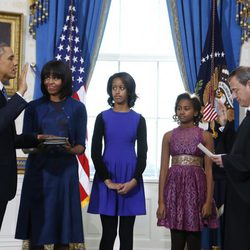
{"x":68,"y":50}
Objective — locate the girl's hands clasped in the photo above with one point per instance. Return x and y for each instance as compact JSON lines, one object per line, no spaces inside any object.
{"x":127,"y":186}
{"x":122,"y":188}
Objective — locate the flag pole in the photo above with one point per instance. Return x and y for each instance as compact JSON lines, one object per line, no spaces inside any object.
{"x":70,"y":32}
{"x":211,"y":96}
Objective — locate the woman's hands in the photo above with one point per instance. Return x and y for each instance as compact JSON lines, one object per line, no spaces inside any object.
{"x":121,"y":188}
{"x":75,"y":150}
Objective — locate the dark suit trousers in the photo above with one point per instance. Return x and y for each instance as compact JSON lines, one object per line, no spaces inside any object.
{"x":3,"y":205}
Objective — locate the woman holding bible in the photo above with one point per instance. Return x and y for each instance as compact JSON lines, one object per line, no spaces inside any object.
{"x":50,"y":209}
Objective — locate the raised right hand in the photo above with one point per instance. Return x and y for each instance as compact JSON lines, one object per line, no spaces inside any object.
{"x":21,"y":83}
{"x":222,"y":113}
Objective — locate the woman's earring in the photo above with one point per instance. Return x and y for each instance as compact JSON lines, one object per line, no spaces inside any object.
{"x":176,"y":119}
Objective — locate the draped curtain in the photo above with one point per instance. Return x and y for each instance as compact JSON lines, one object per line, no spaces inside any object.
{"x":92,"y":16}
{"x":189,"y":21}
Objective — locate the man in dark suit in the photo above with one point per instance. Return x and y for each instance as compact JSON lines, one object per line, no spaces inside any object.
{"x":237,"y":169}
{"x":9,"y":140}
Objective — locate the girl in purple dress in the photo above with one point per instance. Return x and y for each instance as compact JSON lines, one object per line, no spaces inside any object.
{"x":186,"y":188}
{"x":117,"y":192}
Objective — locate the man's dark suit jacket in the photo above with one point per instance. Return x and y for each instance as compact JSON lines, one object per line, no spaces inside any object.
{"x":9,"y":141}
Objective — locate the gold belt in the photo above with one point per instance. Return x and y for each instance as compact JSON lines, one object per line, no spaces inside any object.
{"x":185,"y":160}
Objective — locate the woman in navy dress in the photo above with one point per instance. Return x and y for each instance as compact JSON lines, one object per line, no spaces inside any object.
{"x":50,"y":209}
{"x":117,"y":192}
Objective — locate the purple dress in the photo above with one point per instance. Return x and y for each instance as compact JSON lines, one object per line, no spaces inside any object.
{"x":185,"y":188}
{"x":120,"y":160}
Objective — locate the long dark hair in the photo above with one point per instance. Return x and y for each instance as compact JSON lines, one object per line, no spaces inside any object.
{"x":129,"y":84}
{"x":196,"y":105}
{"x":59,"y":70}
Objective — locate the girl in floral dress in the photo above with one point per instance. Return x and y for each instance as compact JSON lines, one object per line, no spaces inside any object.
{"x":186,"y":188}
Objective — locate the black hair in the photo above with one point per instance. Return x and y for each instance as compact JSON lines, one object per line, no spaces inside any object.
{"x":129,"y":84}
{"x":59,"y":70}
{"x":196,"y":105}
{"x":242,"y":73}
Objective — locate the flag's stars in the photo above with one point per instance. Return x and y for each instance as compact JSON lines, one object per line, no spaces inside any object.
{"x":58,"y":57}
{"x":62,"y":37}
{"x":67,"y":58}
{"x":80,"y":79}
{"x":73,"y":69}
{"x":76,"y":49}
{"x":77,"y":40}
{"x":60,"y":47}
{"x":81,"y":70}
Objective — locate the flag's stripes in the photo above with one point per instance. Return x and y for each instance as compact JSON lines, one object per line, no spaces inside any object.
{"x":209,"y":113}
{"x":83,"y":173}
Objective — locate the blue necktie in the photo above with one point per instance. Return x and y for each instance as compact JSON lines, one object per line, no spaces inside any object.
{"x":5,"y":93}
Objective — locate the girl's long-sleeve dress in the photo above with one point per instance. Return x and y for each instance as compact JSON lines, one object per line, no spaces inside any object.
{"x":119,"y":162}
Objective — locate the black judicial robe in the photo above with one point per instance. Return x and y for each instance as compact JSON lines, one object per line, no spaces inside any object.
{"x":237,"y":210}
{"x":223,"y":145}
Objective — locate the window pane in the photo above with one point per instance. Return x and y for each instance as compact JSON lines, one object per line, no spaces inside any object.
{"x":170,"y":85}
{"x":97,"y":94}
{"x":142,"y":25}
{"x":163,"y":126}
{"x":145,"y":75}
{"x":150,"y":170}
